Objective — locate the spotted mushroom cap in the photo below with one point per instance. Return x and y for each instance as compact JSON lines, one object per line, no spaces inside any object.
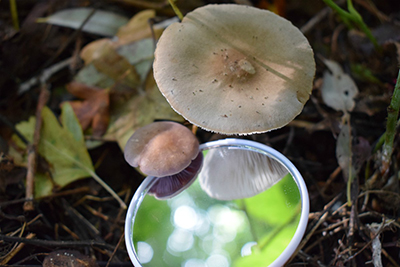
{"x":234,"y":69}
{"x":161,"y":148}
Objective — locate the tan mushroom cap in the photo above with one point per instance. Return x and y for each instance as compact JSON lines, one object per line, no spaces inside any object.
{"x":161,"y":148}
{"x":234,"y":69}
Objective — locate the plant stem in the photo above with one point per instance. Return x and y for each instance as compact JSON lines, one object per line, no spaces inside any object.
{"x":14,"y":14}
{"x":352,"y":17}
{"x":107,"y":187}
{"x":176,"y":9}
{"x":393,"y":113}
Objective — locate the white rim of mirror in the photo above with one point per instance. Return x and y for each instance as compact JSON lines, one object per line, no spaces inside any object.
{"x":235,"y":144}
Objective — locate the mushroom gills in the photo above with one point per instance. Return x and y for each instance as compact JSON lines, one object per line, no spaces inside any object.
{"x":230,"y":174}
{"x":169,"y":186}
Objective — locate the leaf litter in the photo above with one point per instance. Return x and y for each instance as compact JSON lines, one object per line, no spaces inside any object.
{"x":353,"y":109}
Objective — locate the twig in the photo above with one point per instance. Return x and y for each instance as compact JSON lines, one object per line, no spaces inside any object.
{"x":32,"y":149}
{"x":315,"y":20}
{"x":374,"y":235}
{"x":321,"y":219}
{"x":108,"y":188}
{"x":14,"y":14}
{"x":51,"y":243}
{"x":393,"y":261}
{"x":289,"y":140}
{"x":44,"y":76}
{"x":330,"y":179}
{"x":47,"y":73}
{"x":33,"y":256}
{"x":176,"y":9}
{"x":71,"y":38}
{"x":309,"y":258}
{"x":115,"y":250}
{"x":16,"y":250}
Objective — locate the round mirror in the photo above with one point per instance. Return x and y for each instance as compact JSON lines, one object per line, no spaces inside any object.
{"x":198,"y":228}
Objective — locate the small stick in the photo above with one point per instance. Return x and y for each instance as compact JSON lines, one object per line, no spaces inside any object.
{"x":46,"y":74}
{"x":176,"y":9}
{"x":115,"y":250}
{"x":52,"y":243}
{"x":315,"y":20}
{"x":16,"y":250}
{"x":32,"y":149}
{"x":14,"y":14}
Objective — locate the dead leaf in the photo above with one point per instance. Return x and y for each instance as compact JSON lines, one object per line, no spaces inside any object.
{"x":101,"y":22}
{"x":338,"y":89}
{"x":104,"y":57}
{"x":140,"y":54}
{"x":343,"y":150}
{"x":138,"y":111}
{"x":138,"y":28}
{"x":361,"y":152}
{"x":94,"y":109}
{"x":89,"y":75}
{"x":93,"y":50}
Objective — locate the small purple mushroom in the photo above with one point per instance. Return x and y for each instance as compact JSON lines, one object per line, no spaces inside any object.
{"x":167,"y":150}
{"x":170,"y":186}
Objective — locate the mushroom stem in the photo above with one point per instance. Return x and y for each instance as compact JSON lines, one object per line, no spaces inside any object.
{"x":176,"y":9}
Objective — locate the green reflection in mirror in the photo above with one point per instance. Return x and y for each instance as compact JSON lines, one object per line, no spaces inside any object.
{"x":274,"y":216}
{"x":194,"y":230}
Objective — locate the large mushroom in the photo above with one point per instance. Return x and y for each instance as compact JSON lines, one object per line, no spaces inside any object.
{"x":167,"y":150}
{"x":234,"y":69}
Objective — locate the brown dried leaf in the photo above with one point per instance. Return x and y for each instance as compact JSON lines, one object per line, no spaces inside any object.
{"x":105,"y":58}
{"x":91,"y":50}
{"x":139,"y":111}
{"x":94,"y":109}
{"x":361,"y":152}
{"x":344,"y":151}
{"x":137,"y":28}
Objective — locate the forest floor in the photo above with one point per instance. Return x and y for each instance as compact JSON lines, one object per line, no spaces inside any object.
{"x":352,"y":223}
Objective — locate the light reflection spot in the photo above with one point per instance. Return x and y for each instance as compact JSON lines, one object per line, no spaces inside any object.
{"x":195,"y":263}
{"x":180,"y":240}
{"x":217,"y":260}
{"x":144,"y":251}
{"x":185,"y":217}
{"x":246,"y":249}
